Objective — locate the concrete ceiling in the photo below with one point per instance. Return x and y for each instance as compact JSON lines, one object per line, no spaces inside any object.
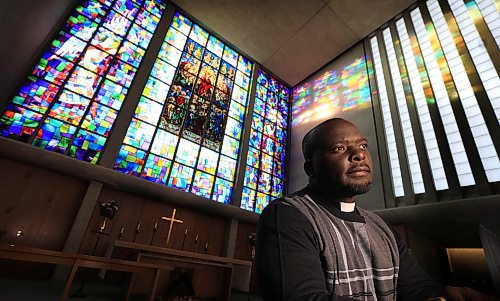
{"x":293,"y":38}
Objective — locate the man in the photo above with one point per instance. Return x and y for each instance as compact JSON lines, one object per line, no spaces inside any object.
{"x":317,"y":245}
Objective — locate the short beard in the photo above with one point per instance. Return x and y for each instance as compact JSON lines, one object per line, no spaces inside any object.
{"x":357,"y":189}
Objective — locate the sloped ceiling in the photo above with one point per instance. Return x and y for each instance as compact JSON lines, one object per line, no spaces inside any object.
{"x":293,"y":38}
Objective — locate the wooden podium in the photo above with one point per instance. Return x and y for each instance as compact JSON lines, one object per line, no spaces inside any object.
{"x":211,"y":276}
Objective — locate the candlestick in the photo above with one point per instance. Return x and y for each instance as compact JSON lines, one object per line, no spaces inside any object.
{"x":195,"y":242}
{"x":206,"y":247}
{"x":138,"y":226}
{"x":122,"y":229}
{"x":156,"y":225}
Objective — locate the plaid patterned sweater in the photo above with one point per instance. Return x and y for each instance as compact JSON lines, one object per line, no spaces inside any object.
{"x":361,"y":259}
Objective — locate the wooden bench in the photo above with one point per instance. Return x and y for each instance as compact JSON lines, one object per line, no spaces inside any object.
{"x":79,"y":260}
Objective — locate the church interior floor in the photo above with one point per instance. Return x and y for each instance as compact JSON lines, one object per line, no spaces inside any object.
{"x":27,"y":290}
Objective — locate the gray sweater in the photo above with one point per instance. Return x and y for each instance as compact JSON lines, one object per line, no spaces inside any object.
{"x":361,"y":259}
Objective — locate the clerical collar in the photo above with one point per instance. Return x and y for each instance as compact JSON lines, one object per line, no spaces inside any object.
{"x":332,"y":206}
{"x":347,"y":207}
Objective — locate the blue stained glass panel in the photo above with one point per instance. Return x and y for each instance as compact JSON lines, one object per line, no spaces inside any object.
{"x":87,"y":146}
{"x":54,"y":135}
{"x":181,"y":23}
{"x":111,"y":94}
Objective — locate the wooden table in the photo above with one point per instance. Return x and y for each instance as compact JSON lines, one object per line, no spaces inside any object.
{"x":203,"y":264}
{"x":79,"y":260}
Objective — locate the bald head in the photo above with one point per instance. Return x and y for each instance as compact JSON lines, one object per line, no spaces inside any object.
{"x":310,"y":140}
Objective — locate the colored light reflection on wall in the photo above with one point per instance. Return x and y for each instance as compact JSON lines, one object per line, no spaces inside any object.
{"x":332,"y":92}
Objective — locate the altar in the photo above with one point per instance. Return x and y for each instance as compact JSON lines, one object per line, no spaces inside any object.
{"x":211,"y":277}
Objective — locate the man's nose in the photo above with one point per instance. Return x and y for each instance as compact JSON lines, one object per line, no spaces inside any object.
{"x":358,"y":155}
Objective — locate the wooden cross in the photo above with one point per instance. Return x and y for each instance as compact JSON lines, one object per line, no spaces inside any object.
{"x":172,"y":221}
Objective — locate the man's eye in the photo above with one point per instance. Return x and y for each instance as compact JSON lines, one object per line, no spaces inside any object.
{"x":338,"y":148}
{"x":364,"y":145}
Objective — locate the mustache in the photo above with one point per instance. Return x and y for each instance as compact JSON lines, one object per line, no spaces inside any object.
{"x":359,"y":167}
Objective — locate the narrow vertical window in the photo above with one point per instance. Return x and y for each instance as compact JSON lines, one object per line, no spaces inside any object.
{"x":450,"y":126}
{"x":428,"y":132}
{"x":397,"y":180}
{"x":406,"y":127}
{"x":480,"y":133}
{"x":484,"y":65}
{"x":491,"y":15}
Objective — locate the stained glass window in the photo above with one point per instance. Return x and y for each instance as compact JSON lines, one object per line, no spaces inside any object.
{"x":70,"y":101}
{"x":264,"y":173}
{"x":187,"y":127}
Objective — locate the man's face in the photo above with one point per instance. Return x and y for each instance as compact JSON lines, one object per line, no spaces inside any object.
{"x":341,"y":162}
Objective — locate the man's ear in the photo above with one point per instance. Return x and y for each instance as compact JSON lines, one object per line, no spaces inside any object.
{"x":308,"y":167}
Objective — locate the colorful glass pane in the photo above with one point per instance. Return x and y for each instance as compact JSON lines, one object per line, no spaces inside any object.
{"x":215,"y":46}
{"x":193,"y":128}
{"x":139,"y":36}
{"x":202,"y":184}
{"x":121,"y":73}
{"x":154,"y":6}
{"x":199,"y":35}
{"x":180,"y":177}
{"x":54,"y":135}
{"x":181,"y":23}
{"x":156,"y":169}
{"x":175,"y":38}
{"x":170,"y":54}
{"x":148,"y":110}
{"x":193,"y":50}
{"x":130,"y":160}
{"x":131,"y":53}
{"x":163,"y":71}
{"x":226,"y":168}
{"x":156,"y":90}
{"x":91,"y":37}
{"x":19,"y":123}
{"x":36,"y":94}
{"x":87,"y":146}
{"x":251,"y":176}
{"x":244,"y":65}
{"x":117,"y":23}
{"x":208,"y":160}
{"x":262,"y":200}
{"x":253,"y":158}
{"x":234,"y":128}
{"x":164,"y":144}
{"x":67,"y":46}
{"x":69,"y":107}
{"x":111,"y":94}
{"x":99,"y":119}
{"x":52,"y":68}
{"x":242,"y":80}
{"x":222,"y":191}
{"x":230,"y":56}
{"x":187,"y":152}
{"x":139,"y":134}
{"x":147,"y":20}
{"x":248,"y":199}
{"x":230,"y":147}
